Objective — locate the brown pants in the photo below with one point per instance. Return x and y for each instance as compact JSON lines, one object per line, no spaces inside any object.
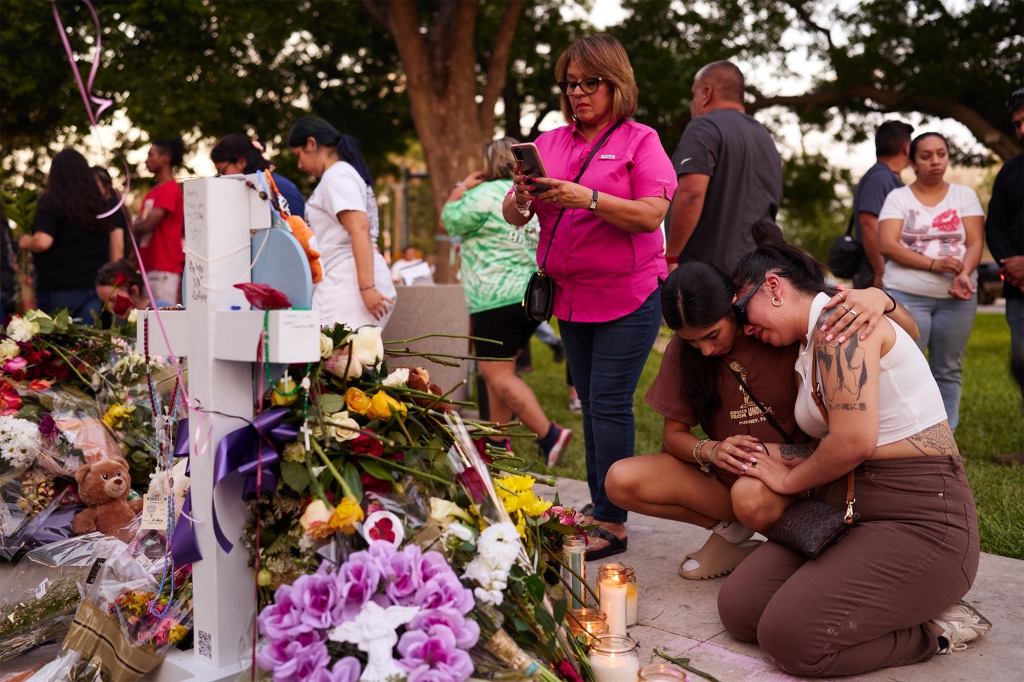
{"x":861,"y":604}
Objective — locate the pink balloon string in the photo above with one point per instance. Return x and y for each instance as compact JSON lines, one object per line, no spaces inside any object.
{"x":102,"y":103}
{"x":85,"y":89}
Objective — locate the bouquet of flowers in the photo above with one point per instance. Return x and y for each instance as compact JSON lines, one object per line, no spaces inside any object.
{"x":382,"y":614}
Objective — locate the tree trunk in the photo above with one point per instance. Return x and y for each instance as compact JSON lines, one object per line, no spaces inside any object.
{"x":442,"y":83}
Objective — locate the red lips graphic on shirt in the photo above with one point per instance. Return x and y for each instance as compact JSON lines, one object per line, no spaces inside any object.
{"x":947,"y":221}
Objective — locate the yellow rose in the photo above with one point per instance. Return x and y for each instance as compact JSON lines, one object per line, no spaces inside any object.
{"x":346,"y":516}
{"x":316,"y":519}
{"x":286,"y":385}
{"x":382,"y":406}
{"x":357,"y":401}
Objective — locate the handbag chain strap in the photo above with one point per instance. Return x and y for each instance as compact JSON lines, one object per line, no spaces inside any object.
{"x":819,"y":400}
{"x":768,"y":415}
{"x":600,"y":143}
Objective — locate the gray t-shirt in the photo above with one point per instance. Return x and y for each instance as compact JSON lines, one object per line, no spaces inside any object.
{"x":870,"y":193}
{"x":746,"y":183}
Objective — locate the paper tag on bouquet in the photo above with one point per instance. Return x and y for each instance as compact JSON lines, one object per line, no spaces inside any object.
{"x":154,"y":512}
{"x":41,"y":590}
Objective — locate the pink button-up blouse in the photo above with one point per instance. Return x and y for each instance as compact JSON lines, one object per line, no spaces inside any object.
{"x":601,"y":272}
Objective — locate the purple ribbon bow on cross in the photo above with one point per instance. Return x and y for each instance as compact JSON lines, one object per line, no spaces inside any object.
{"x":246,"y":450}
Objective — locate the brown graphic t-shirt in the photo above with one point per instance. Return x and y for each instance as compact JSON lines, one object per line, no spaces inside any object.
{"x":767,"y":370}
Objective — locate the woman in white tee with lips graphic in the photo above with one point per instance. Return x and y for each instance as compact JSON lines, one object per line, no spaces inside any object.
{"x":931,"y":234}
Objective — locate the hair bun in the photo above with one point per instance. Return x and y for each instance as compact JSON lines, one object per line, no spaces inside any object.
{"x":765,"y":233}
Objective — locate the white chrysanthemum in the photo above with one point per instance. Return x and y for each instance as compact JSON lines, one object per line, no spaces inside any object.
{"x":499,"y":544}
{"x":19,"y":441}
{"x":8,"y":349}
{"x":21,"y":329}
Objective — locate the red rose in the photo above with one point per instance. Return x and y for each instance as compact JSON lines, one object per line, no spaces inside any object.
{"x":34,"y":357}
{"x":374,"y":485}
{"x":120,"y":279}
{"x":58,"y":369}
{"x":367,"y":445}
{"x":18,"y":375}
{"x":121,"y":305}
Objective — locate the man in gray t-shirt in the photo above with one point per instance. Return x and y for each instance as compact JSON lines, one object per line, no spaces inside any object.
{"x":892,"y":150}
{"x":730,"y":174}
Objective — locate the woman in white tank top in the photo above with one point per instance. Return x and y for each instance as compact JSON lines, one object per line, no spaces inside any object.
{"x":887,"y":593}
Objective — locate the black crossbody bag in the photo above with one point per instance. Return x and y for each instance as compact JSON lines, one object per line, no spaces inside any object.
{"x":809,"y":526}
{"x":846,"y":254}
{"x":540,"y":290}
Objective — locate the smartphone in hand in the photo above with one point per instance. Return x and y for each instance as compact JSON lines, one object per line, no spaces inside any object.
{"x":530,"y":164}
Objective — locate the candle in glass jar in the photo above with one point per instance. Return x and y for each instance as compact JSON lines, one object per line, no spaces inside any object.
{"x":631,"y":597}
{"x":589,"y":621}
{"x":662,"y":673}
{"x":574,"y":549}
{"x":612,"y":580}
{"x":614,"y":658}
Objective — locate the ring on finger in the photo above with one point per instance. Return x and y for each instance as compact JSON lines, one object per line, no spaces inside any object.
{"x":845,"y":307}
{"x":854,"y":313}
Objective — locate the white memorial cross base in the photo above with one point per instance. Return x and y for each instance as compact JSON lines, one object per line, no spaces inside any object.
{"x":219,"y":335}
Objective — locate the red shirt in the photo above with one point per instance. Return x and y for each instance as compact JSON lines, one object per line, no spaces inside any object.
{"x":600,"y":272}
{"x":162,"y":250}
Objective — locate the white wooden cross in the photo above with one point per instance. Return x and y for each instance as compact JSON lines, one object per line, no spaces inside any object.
{"x":220,"y":334}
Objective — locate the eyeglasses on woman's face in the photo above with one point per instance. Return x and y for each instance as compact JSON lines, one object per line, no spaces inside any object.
{"x":587,"y":85}
{"x":739,"y":308}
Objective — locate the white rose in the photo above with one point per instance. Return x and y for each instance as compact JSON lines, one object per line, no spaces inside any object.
{"x":326,"y":346}
{"x":21,"y":329}
{"x":133,"y":316}
{"x":400,"y":377}
{"x":8,"y":349}
{"x":367,"y":346}
{"x":343,"y":427}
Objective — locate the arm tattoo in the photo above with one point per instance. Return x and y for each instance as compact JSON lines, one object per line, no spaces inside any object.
{"x":791,"y":452}
{"x":935,"y":440}
{"x":848,"y":362}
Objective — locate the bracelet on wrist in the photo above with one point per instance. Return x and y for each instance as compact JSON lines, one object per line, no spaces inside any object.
{"x":696,"y":454}
{"x":711,"y":455}
{"x":930,"y":265}
{"x":893,"y":302}
{"x":461,"y":184}
{"x":372,"y":286}
{"x":522,"y":208}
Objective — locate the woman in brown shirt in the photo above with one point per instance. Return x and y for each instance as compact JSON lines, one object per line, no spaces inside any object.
{"x":742,"y":393}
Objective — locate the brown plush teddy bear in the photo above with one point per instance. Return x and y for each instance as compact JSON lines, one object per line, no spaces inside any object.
{"x":419,"y":380}
{"x":104,"y":486}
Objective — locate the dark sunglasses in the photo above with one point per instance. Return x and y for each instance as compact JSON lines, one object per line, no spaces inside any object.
{"x":739,"y":308}
{"x":587,"y":85}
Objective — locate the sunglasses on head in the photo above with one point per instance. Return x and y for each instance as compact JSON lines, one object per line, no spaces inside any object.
{"x":739,"y":308}
{"x":587,"y":85}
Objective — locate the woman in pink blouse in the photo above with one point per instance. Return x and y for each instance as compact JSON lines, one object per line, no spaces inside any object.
{"x":607,"y":257}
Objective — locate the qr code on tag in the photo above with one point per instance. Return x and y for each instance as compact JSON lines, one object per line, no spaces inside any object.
{"x":204,"y":642}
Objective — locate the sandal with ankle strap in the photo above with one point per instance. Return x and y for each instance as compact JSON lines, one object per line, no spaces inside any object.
{"x":616,"y":545}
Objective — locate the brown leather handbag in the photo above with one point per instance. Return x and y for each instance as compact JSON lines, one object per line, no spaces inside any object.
{"x":810,"y":526}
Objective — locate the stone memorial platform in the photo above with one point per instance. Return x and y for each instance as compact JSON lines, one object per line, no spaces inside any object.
{"x":681,"y":616}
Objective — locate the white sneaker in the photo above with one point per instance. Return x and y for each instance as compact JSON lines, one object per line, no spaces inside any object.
{"x":961,"y":623}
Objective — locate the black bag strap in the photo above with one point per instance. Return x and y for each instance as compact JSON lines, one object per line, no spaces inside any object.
{"x":853,"y":208}
{"x":593,"y":152}
{"x":767,"y":415}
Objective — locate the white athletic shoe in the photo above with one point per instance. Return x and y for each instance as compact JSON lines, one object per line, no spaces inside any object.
{"x":961,"y":623}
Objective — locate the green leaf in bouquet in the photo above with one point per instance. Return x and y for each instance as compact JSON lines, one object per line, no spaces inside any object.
{"x":62,"y":320}
{"x":560,"y":528}
{"x":376,"y":470}
{"x":520,"y":625}
{"x":543,"y":618}
{"x":140,"y":457}
{"x":535,"y":586}
{"x":467,"y":547}
{"x":561,"y":608}
{"x":373,"y":425}
{"x":29,"y":411}
{"x":295,"y":475}
{"x":517,"y":586}
{"x":396,"y":435}
{"x":331,"y":403}
{"x":351,"y":476}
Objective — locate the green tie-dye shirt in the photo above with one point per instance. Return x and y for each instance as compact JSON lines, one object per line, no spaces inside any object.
{"x":497,"y":258}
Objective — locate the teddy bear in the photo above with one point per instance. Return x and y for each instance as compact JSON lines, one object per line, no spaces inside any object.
{"x":419,"y":380}
{"x":104,"y":486}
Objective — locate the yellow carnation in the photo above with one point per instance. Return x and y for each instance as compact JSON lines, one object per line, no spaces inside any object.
{"x":115,"y":416}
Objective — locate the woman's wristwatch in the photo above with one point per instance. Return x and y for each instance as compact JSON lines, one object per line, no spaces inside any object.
{"x":593,"y":202}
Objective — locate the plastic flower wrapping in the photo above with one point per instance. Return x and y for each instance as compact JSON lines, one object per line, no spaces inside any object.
{"x":397,"y":546}
{"x":70,"y":393}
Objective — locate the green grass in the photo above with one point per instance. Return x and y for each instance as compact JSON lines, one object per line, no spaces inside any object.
{"x":991,"y":423}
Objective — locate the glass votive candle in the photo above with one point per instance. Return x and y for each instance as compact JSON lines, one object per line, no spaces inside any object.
{"x":632,"y":597}
{"x":660,"y":672}
{"x":590,"y":622}
{"x":574,"y":550}
{"x":614,"y":658}
{"x":613,"y":591}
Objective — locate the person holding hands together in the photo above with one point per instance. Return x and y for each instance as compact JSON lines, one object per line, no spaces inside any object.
{"x":931,"y":232}
{"x":601,"y":244}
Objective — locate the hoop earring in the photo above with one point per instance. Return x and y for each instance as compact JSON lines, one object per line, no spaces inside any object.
{"x":777,"y":305}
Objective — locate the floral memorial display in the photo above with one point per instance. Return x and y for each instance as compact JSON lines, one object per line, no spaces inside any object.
{"x":387,"y":541}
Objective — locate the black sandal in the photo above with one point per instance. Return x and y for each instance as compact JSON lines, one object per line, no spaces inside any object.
{"x":615,"y":544}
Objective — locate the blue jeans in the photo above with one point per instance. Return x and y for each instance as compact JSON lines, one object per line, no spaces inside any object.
{"x":1015,"y":318}
{"x":79,"y":302}
{"x":945,"y":325}
{"x":606,"y":359}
